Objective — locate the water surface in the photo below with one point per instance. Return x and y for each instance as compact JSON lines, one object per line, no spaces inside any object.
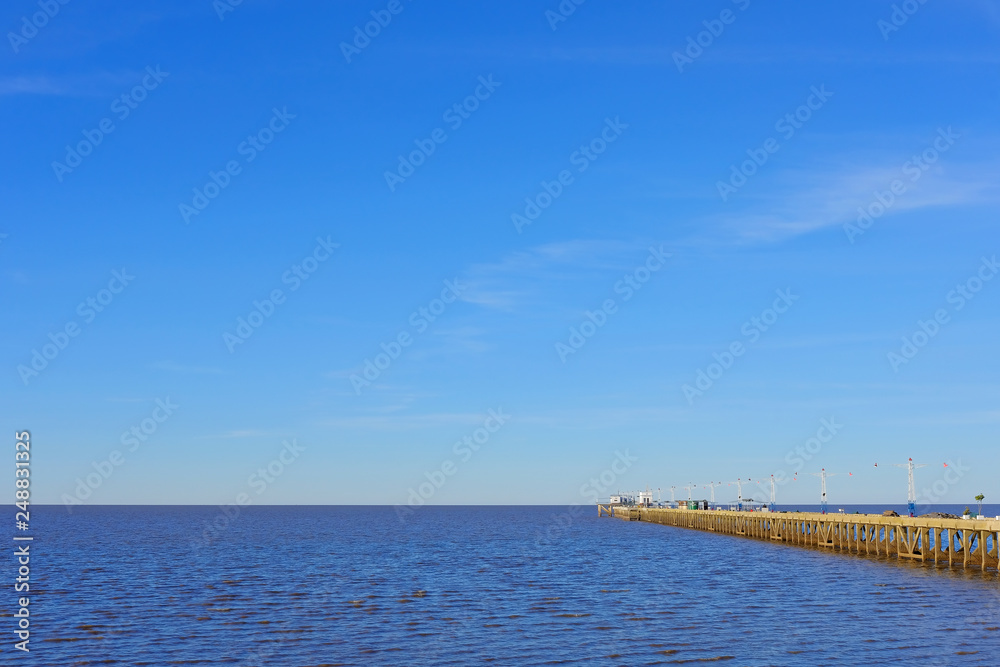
{"x":467,"y":585}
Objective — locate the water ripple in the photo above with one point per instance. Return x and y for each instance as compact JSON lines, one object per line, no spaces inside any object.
{"x":323,"y":586}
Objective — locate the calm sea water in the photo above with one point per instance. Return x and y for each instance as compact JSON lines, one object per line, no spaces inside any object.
{"x":467,"y":585}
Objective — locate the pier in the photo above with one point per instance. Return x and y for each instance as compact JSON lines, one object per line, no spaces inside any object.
{"x":968,"y":543}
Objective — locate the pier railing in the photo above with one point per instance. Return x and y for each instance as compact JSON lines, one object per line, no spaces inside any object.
{"x":957,"y":542}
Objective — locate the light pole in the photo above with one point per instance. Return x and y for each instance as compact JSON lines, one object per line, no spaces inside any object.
{"x":772,"y":494}
{"x":911,"y":491}
{"x":823,"y":474}
{"x":711,"y":487}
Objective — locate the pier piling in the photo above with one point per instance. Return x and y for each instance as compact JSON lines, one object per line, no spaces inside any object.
{"x":969,"y":543}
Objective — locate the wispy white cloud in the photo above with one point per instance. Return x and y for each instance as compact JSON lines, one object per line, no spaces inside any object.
{"x":818,"y":341}
{"x":174,"y":367}
{"x":592,"y":417}
{"x":405,"y":422}
{"x":770,"y":54}
{"x":246,"y":433}
{"x":965,"y":418}
{"x":340,"y":374}
{"x":804,"y":202}
{"x":466,"y":338}
{"x":73,"y":85}
{"x":519,"y":277}
{"x":30,"y":85}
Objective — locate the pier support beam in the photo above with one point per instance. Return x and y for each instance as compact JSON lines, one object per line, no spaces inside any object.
{"x":964,"y":542}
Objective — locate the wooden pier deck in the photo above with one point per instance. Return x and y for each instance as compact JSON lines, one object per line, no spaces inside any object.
{"x":955,"y":542}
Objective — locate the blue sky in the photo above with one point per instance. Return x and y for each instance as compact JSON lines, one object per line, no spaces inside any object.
{"x":634,"y":142}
